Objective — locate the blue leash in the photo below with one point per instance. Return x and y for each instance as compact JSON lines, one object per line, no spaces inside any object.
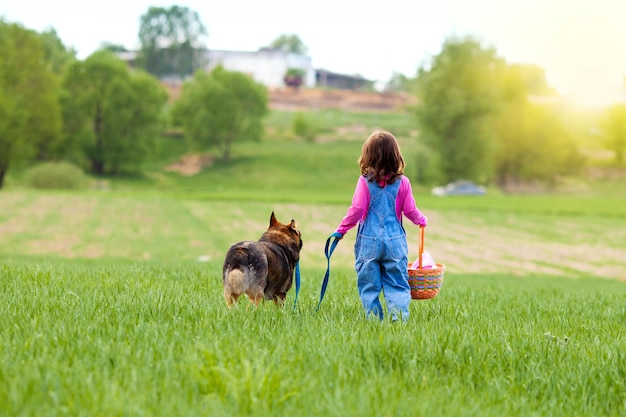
{"x":295,"y":301}
{"x":328,"y":251}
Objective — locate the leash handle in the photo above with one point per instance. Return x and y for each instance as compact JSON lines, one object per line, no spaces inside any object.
{"x":295,"y":300}
{"x":329,"y":248}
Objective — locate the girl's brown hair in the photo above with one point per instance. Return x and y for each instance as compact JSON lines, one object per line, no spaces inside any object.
{"x":381,"y":159}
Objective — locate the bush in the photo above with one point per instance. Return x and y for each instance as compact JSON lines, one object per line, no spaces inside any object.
{"x":303,"y":128}
{"x":56,"y":175}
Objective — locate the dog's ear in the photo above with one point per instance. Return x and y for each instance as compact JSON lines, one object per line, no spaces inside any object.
{"x":293,"y":227}
{"x":273,"y":220}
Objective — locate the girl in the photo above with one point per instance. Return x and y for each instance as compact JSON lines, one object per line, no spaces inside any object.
{"x":383,"y":194}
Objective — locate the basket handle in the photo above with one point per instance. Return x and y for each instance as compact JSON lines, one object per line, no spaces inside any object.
{"x":421,"y":247}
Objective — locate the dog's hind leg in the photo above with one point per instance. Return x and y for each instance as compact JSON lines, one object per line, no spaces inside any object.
{"x":230,"y":297}
{"x":234,"y":286}
{"x":256,"y":296}
{"x":279,"y":299}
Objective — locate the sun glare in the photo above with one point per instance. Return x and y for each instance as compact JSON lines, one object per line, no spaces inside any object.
{"x":578,"y":43}
{"x":592,"y":95}
{"x":589,"y":88}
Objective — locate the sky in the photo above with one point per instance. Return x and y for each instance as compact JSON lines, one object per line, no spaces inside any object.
{"x":581,"y":44}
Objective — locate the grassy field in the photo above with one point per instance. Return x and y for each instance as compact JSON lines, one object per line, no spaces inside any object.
{"x":111,"y":299}
{"x":84,"y":339}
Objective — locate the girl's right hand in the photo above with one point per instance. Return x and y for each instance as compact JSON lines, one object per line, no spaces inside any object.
{"x":424,"y":222}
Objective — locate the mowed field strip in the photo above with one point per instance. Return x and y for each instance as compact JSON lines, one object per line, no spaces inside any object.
{"x":95,"y":225}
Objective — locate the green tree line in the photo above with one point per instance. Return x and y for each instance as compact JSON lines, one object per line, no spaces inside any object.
{"x":102,"y":115}
{"x":478,"y":113}
{"x":495,"y":122}
{"x":478,"y":116}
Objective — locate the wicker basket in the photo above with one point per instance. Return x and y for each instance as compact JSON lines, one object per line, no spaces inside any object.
{"x":425,"y":283}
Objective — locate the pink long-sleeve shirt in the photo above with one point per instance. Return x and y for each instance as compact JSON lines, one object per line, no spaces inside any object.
{"x":405,"y":204}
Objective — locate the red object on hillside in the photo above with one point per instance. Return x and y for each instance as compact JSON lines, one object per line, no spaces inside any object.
{"x":293,"y":81}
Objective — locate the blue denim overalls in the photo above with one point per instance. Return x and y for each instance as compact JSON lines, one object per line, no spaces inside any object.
{"x":381,"y":254}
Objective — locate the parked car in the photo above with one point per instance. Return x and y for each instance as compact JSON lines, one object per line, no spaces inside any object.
{"x":462,"y":187}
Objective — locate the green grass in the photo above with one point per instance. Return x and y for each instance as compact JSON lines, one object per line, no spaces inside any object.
{"x":303,"y":172}
{"x":107,"y":312}
{"x":551,"y":205}
{"x":134,"y":339}
{"x":111,"y":226}
{"x":265,"y":171}
{"x":106,"y":309}
{"x":356,"y":125}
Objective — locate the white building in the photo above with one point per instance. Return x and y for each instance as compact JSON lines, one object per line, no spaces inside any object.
{"x":266,"y":66}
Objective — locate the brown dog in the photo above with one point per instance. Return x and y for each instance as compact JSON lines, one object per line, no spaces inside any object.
{"x":263,"y":269}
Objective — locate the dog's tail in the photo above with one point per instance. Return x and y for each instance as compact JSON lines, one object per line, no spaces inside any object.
{"x":236,"y":279}
{"x":242,"y":280}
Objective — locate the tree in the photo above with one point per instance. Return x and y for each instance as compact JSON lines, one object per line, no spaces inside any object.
{"x":56,"y":54}
{"x":221,"y":107}
{"x":532,"y":142}
{"x":289,"y":43}
{"x":530,"y":80}
{"x":113,"y":47}
{"x":57,"y":58}
{"x":29,"y":108}
{"x":111,"y":112}
{"x":532,"y":145}
{"x":172,"y":41}
{"x":457,"y":93}
{"x":399,"y":83}
{"x":614,"y":126}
